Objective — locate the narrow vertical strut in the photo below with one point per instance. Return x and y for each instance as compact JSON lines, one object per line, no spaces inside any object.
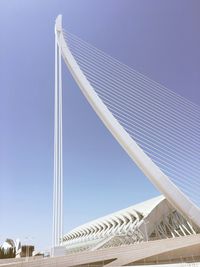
{"x":60,"y":148}
{"x":54,"y":234}
{"x":58,"y":157}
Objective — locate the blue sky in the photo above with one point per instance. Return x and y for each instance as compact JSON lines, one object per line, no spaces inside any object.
{"x":158,"y":38}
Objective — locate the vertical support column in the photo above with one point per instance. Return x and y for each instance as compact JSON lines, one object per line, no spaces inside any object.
{"x":57,"y":232}
{"x":60,"y":150}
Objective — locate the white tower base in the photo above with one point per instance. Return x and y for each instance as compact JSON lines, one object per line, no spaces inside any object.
{"x":58,"y":251}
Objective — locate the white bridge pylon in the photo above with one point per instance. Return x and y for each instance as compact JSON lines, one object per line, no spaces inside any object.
{"x":142,"y":159}
{"x":58,"y":149}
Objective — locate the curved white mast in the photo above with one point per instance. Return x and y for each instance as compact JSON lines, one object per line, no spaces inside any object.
{"x":178,"y":199}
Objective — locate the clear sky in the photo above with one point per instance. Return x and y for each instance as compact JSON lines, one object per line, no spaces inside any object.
{"x":159,"y":38}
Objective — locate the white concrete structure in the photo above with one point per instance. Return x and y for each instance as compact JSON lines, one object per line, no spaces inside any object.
{"x":172,"y":250}
{"x":150,"y":220}
{"x":57,"y":249}
{"x":161,"y":181}
{"x":174,"y":215}
{"x":14,"y":245}
{"x":8,"y":244}
{"x":152,"y":232}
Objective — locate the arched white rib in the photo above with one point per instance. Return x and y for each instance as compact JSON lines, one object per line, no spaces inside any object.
{"x":149,"y":168}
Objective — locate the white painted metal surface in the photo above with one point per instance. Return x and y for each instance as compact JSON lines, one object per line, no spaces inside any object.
{"x":148,"y":167}
{"x":58,"y":158}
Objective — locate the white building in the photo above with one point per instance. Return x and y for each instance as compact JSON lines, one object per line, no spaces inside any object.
{"x":153,"y":219}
